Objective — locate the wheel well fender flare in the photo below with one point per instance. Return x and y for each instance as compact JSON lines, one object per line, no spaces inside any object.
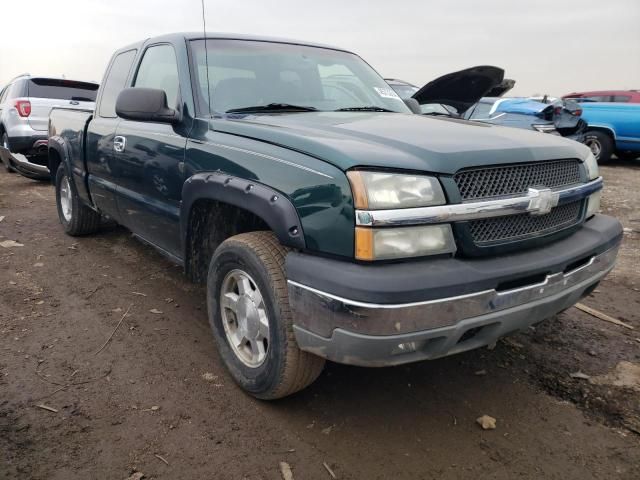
{"x":273,"y":207}
{"x":58,"y":145}
{"x":602,"y":128}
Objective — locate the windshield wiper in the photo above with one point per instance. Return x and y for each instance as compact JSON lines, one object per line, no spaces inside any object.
{"x":273,"y":107}
{"x":371,"y":108}
{"x":438,"y":114}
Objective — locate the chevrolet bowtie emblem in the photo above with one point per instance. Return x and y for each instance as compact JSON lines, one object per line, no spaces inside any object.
{"x":542,"y":200}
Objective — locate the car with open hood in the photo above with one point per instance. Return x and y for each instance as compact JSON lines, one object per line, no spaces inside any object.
{"x":475,"y":94}
{"x":327,"y":221}
{"x":559,"y":117}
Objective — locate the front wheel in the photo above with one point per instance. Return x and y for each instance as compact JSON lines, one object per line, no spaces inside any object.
{"x":251,"y":320}
{"x":76,"y":218}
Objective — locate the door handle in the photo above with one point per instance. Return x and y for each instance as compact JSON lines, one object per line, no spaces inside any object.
{"x":119,"y":143}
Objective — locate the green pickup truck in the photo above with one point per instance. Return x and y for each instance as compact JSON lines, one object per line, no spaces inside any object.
{"x":328,"y":221}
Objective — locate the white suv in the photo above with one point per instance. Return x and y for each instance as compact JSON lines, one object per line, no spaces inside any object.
{"x":25,"y":104}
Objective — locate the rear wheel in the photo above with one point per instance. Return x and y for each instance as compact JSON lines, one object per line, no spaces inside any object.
{"x":75,"y":216}
{"x":601,"y":145}
{"x":251,"y":319}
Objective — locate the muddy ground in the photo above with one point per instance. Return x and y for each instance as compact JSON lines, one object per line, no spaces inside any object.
{"x":157,"y":400}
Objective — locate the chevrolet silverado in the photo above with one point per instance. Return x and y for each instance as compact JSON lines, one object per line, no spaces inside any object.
{"x":327,"y":221}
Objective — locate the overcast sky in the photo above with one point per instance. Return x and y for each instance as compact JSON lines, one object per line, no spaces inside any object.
{"x":547,"y":46}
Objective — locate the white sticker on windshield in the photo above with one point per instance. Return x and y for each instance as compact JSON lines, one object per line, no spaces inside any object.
{"x":387,"y":92}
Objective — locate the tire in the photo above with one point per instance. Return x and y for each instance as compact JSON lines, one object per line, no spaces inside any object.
{"x":76,"y":218}
{"x":6,"y":144}
{"x":284,"y":368}
{"x":600,"y":144}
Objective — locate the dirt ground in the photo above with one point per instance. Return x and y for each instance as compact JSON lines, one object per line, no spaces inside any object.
{"x":157,"y":400}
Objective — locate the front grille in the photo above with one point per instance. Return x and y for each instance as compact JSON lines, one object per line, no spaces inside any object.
{"x":497,"y":181}
{"x":514,"y":227}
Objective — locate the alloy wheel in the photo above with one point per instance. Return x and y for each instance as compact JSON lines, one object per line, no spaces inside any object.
{"x":66,"y":199}
{"x":244,"y":317}
{"x":595,"y":146}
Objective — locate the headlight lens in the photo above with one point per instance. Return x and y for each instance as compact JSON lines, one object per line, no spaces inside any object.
{"x":381,"y":190}
{"x":591,"y":164}
{"x":593,"y":206}
{"x":390,"y":243}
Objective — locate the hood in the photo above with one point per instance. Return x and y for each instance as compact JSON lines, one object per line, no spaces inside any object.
{"x":461,"y":89}
{"x":503,"y":87}
{"x":396,"y":140}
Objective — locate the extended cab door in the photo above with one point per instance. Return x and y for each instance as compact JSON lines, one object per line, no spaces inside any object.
{"x":103,"y":172}
{"x":150,"y":158}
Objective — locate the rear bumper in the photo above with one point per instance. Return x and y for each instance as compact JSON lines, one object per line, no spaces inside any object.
{"x":30,"y":144}
{"x":24,"y":138}
{"x":24,"y":165}
{"x":479,"y":302}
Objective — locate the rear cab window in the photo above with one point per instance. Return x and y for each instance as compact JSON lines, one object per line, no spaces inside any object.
{"x":61,"y":89}
{"x":115,"y":82}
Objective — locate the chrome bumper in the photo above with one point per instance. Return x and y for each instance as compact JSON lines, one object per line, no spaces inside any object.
{"x":382,"y":334}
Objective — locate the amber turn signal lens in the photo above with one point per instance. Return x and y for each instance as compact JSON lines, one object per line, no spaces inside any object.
{"x":364,"y":243}
{"x":360,"y":199}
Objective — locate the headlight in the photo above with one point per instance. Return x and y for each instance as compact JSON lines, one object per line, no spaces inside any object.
{"x":591,"y":164}
{"x":545,"y":128}
{"x":593,"y":205}
{"x":389,"y":243}
{"x":381,"y":190}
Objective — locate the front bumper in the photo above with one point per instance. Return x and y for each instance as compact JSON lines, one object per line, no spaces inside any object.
{"x":447,"y":305}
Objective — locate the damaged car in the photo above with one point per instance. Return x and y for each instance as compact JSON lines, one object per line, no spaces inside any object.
{"x":558,"y":118}
{"x":25,"y":103}
{"x":475,"y":94}
{"x":454,"y":93}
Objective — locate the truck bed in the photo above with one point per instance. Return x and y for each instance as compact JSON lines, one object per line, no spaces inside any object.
{"x":68,"y":131}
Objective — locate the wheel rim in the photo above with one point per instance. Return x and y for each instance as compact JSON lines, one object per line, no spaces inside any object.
{"x":595,"y":146}
{"x":244,"y":317}
{"x":65,"y":199}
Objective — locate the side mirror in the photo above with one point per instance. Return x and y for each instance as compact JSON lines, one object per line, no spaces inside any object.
{"x":145,"y":105}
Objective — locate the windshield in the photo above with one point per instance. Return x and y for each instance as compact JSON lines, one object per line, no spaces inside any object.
{"x":405,"y":91}
{"x":245,"y":74}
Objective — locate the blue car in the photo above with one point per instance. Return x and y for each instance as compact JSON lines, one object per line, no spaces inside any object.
{"x":558,"y":117}
{"x":614,"y":128}
{"x":476,"y":94}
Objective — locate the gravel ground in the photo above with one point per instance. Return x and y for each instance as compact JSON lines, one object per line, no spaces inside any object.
{"x":157,"y":399}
